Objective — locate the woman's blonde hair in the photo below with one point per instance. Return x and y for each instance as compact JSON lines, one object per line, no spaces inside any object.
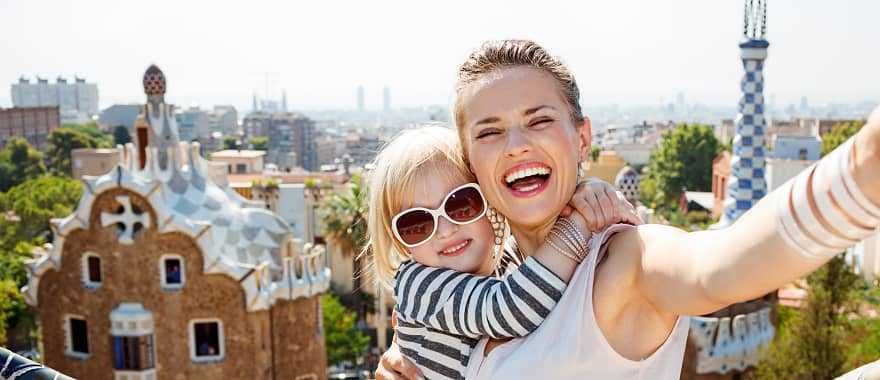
{"x":411,"y":156}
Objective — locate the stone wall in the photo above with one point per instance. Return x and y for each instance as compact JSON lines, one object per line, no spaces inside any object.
{"x":299,"y":339}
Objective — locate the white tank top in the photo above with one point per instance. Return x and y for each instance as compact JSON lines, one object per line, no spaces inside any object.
{"x":570,"y":345}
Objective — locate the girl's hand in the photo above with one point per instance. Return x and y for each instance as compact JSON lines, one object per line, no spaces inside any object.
{"x":601,"y":205}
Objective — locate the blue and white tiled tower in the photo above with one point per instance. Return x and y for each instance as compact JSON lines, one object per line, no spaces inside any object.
{"x":731,"y":339}
{"x":747,"y":184}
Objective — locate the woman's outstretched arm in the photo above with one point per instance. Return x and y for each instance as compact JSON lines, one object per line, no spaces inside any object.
{"x":789,"y":233}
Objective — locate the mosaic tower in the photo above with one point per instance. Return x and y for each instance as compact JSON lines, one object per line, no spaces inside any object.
{"x":747,"y":184}
{"x":729,"y":342}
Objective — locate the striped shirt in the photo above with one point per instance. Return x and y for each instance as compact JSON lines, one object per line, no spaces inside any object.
{"x":442,"y":313}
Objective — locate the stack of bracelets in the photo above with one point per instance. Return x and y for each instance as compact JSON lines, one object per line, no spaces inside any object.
{"x":565,"y":233}
{"x":822,"y":211}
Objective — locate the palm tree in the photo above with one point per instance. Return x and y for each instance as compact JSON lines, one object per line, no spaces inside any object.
{"x":344,"y":215}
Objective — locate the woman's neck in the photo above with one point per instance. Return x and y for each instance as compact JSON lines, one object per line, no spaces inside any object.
{"x":529,"y":238}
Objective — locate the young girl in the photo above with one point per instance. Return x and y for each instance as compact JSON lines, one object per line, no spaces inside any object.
{"x":431,"y":240}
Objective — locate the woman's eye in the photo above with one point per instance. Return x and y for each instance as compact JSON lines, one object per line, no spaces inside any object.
{"x":541,"y":122}
{"x":487,"y":132}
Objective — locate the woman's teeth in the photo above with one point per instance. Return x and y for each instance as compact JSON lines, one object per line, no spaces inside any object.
{"x":520,"y":174}
{"x":526,"y":189}
{"x":455,"y":248}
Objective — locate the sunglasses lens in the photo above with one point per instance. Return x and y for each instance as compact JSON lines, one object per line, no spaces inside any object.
{"x":415,"y":226}
{"x":465,"y":205}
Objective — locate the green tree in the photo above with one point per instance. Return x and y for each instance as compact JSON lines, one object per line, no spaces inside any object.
{"x":594,"y":153}
{"x":91,"y":129}
{"x":810,"y":343}
{"x":838,"y":134}
{"x":121,"y":135}
{"x":259,"y":143}
{"x":683,"y":160}
{"x":345,"y":217}
{"x":230,"y":142}
{"x":63,"y":141}
{"x":19,"y":162}
{"x":34,"y":203}
{"x":344,"y":214}
{"x":25,"y":211}
{"x":342,"y":339}
{"x":12,"y":307}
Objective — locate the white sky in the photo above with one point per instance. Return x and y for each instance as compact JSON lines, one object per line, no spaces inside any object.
{"x":626,"y":52}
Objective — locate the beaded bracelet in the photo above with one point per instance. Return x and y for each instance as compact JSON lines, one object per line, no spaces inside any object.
{"x":565,"y":232}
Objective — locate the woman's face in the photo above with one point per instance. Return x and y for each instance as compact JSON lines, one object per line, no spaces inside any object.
{"x":522,"y":144}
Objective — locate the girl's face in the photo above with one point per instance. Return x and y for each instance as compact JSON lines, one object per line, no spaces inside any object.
{"x":521,"y":143}
{"x":464,"y":248}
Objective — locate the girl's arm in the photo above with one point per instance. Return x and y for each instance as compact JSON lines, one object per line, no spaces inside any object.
{"x":788,"y":234}
{"x":476,"y":306}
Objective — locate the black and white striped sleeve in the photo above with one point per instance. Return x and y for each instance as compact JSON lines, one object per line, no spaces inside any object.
{"x":475,"y":306}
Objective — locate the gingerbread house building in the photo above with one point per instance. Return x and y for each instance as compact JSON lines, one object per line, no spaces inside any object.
{"x":163,"y":271}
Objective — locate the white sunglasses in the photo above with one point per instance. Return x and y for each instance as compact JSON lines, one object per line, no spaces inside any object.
{"x":463,"y":205}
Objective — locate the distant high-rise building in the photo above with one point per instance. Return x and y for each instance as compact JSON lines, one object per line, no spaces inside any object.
{"x":192,"y":124}
{"x":284,"y":101}
{"x":270,"y":106}
{"x":291,"y":138}
{"x":120,"y":114}
{"x":255,"y":106}
{"x":386,"y":99}
{"x":77,"y":101}
{"x":680,"y":105}
{"x":292,"y":141}
{"x":223,"y":119}
{"x":361,"y":98}
{"x":33,"y":124}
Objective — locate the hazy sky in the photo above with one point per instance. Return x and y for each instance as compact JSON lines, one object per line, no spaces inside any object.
{"x":626,"y":52}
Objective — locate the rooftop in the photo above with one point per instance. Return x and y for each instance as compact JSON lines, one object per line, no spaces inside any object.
{"x":232,"y":153}
{"x":245,"y":180}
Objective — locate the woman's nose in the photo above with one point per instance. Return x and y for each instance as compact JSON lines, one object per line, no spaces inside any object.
{"x":445,"y":228}
{"x":517,"y":143}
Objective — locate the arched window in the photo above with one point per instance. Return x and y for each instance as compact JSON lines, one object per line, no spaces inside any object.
{"x":131,"y":331}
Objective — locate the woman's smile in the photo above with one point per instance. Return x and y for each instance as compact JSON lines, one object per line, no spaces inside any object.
{"x":527,"y":179}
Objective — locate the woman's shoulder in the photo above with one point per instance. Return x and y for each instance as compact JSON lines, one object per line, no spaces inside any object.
{"x":631,"y":243}
{"x":619,"y":254}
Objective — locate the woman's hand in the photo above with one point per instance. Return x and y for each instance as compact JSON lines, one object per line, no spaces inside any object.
{"x":394,"y":366}
{"x":601,"y":205}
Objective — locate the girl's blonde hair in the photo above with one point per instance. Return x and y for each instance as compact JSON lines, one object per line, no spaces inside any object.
{"x":410,"y":157}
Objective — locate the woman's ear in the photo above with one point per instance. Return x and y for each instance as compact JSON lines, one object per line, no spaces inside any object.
{"x":585,"y":132}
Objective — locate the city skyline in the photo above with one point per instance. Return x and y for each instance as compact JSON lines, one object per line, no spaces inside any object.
{"x":627,"y":53}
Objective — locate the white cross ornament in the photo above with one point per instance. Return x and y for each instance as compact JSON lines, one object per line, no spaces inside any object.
{"x":128,"y":218}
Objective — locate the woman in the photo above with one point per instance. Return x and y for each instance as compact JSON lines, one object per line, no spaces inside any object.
{"x":517,"y":107}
